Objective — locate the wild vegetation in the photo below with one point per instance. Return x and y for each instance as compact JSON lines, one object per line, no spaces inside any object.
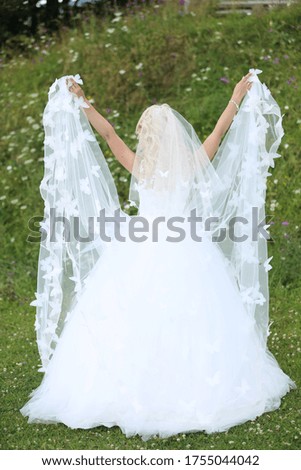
{"x":155,"y":53}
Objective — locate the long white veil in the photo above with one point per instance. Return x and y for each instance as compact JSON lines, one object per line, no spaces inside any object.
{"x":77,"y":184}
{"x":170,"y":160}
{"x":243,"y":161}
{"x":228,"y":193}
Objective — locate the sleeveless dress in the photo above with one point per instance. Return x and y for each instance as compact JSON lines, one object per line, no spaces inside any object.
{"x":159,"y":343}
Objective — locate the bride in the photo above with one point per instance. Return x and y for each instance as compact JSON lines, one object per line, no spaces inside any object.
{"x":161,"y":332}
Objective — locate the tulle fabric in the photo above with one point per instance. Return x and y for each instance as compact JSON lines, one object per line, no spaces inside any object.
{"x":76,"y":186}
{"x":156,"y":357}
{"x":156,"y":337}
{"x":170,"y":162}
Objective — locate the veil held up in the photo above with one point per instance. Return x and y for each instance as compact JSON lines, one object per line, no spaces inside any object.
{"x":172,"y":165}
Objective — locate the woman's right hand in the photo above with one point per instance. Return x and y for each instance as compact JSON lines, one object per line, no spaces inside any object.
{"x":75,"y":88}
{"x":241,"y":88}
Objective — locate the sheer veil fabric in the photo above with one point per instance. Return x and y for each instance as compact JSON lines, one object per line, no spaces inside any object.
{"x":171,"y":161}
{"x":156,"y":336}
{"x":77,"y":184}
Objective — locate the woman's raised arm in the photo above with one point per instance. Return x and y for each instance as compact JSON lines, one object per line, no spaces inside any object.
{"x":212,"y":142}
{"x":118,"y":147}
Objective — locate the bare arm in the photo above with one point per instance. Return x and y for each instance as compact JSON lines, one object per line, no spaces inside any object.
{"x":212,"y":142}
{"x":119,"y":148}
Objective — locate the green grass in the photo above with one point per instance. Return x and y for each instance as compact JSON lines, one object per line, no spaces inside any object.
{"x":183,"y":59}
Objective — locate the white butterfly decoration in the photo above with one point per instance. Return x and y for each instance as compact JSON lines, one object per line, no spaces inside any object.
{"x":267,"y":265}
{"x":268,"y":330}
{"x":266,"y":108}
{"x":55,"y":270}
{"x":205,"y":187}
{"x":48,"y":120}
{"x":232,"y":147}
{"x":262,"y":123}
{"x":45,"y":225}
{"x":65,"y":203}
{"x":77,"y":281}
{"x":163,"y":174}
{"x":80,"y":102}
{"x":54,"y":338}
{"x":227,"y":182}
{"x":86,"y":135}
{"x":52,"y":188}
{"x":255,"y":71}
{"x":89,"y":136}
{"x":44,"y":346}
{"x":184,"y":184}
{"x":67,"y":317}
{"x":37,"y":324}
{"x":95,"y":170}
{"x":46,"y":264}
{"x":84,"y":185}
{"x":252,"y":295}
{"x":49,"y":140}
{"x":253,"y":103}
{"x":56,"y":289}
{"x":98,"y":206}
{"x":51,"y":327}
{"x":52,"y":88}
{"x":60,"y":173}
{"x":65,"y":136}
{"x":257,"y":198}
{"x":265,"y":227}
{"x":67,"y":105}
{"x":206,"y":194}
{"x":77,"y":79}
{"x":262,"y":184}
{"x":248,"y":169}
{"x":38,"y":302}
{"x":235,"y":200}
{"x":55,"y":307}
{"x":248,"y":253}
{"x":268,"y":159}
{"x":74,"y":148}
{"x":51,"y":158}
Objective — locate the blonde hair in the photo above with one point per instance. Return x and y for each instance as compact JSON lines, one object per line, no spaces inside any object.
{"x":149,"y":129}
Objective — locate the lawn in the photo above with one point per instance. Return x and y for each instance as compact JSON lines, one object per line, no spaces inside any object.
{"x":191,"y":62}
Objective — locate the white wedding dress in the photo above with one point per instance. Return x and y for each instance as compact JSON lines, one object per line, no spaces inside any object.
{"x":170,"y":350}
{"x":163,"y":338}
